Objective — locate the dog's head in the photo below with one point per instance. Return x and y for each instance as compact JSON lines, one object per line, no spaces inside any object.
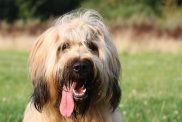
{"x":74,"y":65}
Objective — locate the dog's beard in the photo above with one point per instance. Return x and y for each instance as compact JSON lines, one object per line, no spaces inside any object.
{"x":76,"y":92}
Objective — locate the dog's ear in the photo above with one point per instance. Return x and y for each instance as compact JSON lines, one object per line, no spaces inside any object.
{"x":116,"y":95}
{"x":37,"y":74}
{"x":40,"y":94}
{"x":114,"y":90}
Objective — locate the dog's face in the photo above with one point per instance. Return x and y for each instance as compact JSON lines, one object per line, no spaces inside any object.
{"x":74,"y":66}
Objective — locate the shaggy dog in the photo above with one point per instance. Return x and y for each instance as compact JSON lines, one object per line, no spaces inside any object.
{"x":74,"y":69}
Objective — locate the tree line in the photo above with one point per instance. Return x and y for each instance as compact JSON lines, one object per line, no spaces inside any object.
{"x":11,"y":10}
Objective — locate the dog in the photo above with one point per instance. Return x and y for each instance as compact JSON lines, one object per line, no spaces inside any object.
{"x":74,"y":68}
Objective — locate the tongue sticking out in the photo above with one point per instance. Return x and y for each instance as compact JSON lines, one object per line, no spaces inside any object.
{"x":67,"y":103}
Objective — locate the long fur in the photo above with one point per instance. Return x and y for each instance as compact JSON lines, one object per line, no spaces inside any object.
{"x":76,"y":36}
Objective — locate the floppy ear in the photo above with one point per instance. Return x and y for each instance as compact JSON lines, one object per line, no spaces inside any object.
{"x":37,"y":61}
{"x":40,"y":67}
{"x":40,"y":94}
{"x":114,"y":90}
{"x":116,"y":94}
{"x":36,"y":69}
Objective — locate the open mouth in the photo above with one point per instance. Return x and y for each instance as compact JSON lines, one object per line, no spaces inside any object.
{"x":76,"y":91}
{"x":79,"y":92}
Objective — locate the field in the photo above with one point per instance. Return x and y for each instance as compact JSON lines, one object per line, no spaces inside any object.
{"x":151,"y":86}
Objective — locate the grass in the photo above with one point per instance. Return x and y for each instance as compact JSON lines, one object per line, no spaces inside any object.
{"x":151,"y":86}
{"x":14,"y":86}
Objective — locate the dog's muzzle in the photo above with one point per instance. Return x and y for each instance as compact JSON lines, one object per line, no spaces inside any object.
{"x":76,"y":85}
{"x":83,"y":69}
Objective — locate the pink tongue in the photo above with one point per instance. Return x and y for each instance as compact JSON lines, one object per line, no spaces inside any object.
{"x":67,"y":104}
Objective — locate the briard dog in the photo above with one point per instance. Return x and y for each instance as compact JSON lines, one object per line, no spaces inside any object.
{"x":74,"y":69}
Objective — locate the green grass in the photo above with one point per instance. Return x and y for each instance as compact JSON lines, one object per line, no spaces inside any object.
{"x":151,"y":86}
{"x":14,"y":86}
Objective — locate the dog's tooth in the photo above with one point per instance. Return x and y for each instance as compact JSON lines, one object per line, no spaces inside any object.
{"x":84,"y":90}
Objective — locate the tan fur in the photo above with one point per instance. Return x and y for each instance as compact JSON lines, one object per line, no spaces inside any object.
{"x":96,"y":114}
{"x":45,"y":61}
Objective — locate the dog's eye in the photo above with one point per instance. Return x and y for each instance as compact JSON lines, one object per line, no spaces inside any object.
{"x":63,"y":47}
{"x":92,"y":47}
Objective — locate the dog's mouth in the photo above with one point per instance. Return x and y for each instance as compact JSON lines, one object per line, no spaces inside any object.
{"x":79,"y":91}
{"x":70,"y":93}
{"x":75,"y":85}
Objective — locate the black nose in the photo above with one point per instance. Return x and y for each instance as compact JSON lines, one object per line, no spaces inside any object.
{"x":82,"y":67}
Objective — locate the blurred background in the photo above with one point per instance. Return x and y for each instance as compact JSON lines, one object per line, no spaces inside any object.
{"x":148,"y":36}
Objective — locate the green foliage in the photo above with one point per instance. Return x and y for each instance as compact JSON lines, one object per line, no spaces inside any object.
{"x":151,"y":86}
{"x":29,"y":9}
{"x":111,"y":9}
{"x":133,"y":10}
{"x":114,"y":9}
{"x":8,"y":10}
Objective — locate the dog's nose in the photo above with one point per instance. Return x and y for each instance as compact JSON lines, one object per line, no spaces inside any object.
{"x":82,"y":66}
